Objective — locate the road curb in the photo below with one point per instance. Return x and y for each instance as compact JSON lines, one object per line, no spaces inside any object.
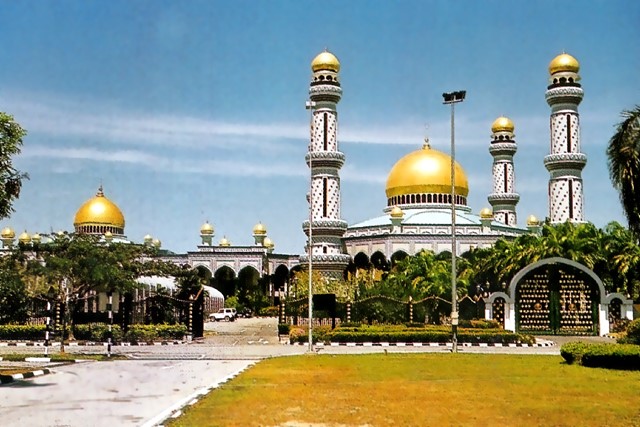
{"x":88,"y":343}
{"x":6,"y":379}
{"x":428,"y":344}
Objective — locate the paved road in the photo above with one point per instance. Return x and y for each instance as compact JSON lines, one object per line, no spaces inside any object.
{"x":119,"y":393}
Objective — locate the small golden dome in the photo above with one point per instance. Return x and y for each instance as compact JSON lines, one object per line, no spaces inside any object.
{"x":99,"y":211}
{"x":268,"y":243}
{"x":36,"y":238}
{"x":24,"y":237}
{"x":532,"y":220}
{"x":148,"y":239}
{"x":325,"y":61}
{"x":108,"y":235}
{"x":396,"y":212}
{"x":425,"y":171}
{"x":486,"y":213}
{"x":157,"y":243}
{"x":502,"y":124}
{"x":259,"y":229}
{"x":224,"y":242}
{"x":206,"y":228}
{"x":564,"y":62}
{"x":8,"y":233}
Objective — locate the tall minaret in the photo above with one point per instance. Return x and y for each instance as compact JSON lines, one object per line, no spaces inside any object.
{"x":325,"y":161}
{"x":565,"y":162}
{"x":504,"y":199}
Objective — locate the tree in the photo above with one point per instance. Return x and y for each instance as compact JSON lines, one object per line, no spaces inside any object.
{"x":623,"y":155}
{"x":13,"y":293}
{"x":11,"y":135}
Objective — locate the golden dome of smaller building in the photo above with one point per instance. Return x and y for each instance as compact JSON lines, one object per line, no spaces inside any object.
{"x":564,"y":62}
{"x":24,"y":237}
{"x":157,"y":243}
{"x":206,"y":228}
{"x":396,"y":212}
{"x":486,"y":213}
{"x":502,"y":124}
{"x":325,"y":61}
{"x":224,"y":242}
{"x":99,"y":215}
{"x":7,"y":233}
{"x":148,"y":239}
{"x":36,"y":238}
{"x":260,"y":229}
{"x":532,"y":220}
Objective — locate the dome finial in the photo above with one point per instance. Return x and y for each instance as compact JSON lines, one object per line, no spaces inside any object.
{"x":100,"y":192}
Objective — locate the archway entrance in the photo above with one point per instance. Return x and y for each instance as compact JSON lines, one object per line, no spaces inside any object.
{"x":558,"y":297}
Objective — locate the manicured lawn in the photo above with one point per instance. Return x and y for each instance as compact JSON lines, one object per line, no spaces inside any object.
{"x":421,"y":390}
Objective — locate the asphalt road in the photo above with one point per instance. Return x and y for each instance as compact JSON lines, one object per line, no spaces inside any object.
{"x":119,"y":393}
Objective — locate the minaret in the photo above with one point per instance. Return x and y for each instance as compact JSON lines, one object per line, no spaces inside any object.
{"x":325,"y":161}
{"x":565,"y":161}
{"x":504,"y":198}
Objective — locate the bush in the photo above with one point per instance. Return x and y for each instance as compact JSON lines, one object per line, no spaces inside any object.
{"x":572,"y":352}
{"x":612,"y":356}
{"x":147,"y":333}
{"x":271,"y":311}
{"x":22,"y":332}
{"x":283,"y":328}
{"x":96,"y":332}
{"x":632,"y":335}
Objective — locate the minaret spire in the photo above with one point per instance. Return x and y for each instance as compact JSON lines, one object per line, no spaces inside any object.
{"x":503,"y":199}
{"x":565,"y":161}
{"x":325,"y":161}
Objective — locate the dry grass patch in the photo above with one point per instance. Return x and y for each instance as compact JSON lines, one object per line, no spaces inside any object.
{"x":420,"y":390}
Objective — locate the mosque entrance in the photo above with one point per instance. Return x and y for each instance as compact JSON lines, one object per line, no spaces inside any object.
{"x":557,"y":299}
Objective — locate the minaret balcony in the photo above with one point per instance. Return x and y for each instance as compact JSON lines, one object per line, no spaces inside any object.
{"x":503,"y":148}
{"x":503,"y":198}
{"x":330,"y":159}
{"x":575,"y":161}
{"x":564,"y":95}
{"x":329,"y":227}
{"x":325,"y":92}
{"x":339,"y":259}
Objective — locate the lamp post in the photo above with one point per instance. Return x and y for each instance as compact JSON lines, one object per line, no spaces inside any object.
{"x":453,"y":98}
{"x":310,"y":105}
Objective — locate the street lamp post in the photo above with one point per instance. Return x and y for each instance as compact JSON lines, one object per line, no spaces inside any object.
{"x":310,"y":105}
{"x":453,"y":98}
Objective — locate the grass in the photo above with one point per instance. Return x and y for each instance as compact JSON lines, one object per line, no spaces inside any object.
{"x":420,"y":390}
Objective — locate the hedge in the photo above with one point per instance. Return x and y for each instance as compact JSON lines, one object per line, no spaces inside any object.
{"x":399,"y":333}
{"x":632,"y":335}
{"x":96,"y":332}
{"x":611,"y":356}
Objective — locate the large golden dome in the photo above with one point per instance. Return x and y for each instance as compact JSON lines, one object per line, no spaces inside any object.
{"x":99,"y":215}
{"x":425,"y":171}
{"x":564,"y":62}
{"x":325,"y":61}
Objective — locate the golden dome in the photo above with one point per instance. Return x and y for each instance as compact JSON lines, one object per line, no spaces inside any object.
{"x":502,"y":124}
{"x":268,"y":243}
{"x":99,"y":211}
{"x":260,"y":229}
{"x":8,"y":233}
{"x":224,"y":242}
{"x":24,"y":237}
{"x":325,"y":61}
{"x":486,"y":213}
{"x":206,"y":228}
{"x":564,"y":62}
{"x":157,"y":243}
{"x":148,"y":239}
{"x":532,"y":220}
{"x":396,"y":212}
{"x":425,"y":171}
{"x":36,"y":238}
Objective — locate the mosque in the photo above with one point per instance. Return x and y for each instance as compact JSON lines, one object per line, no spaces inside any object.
{"x":419,"y":192}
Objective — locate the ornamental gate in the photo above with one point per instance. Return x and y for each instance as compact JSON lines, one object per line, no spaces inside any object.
{"x":557,"y":299}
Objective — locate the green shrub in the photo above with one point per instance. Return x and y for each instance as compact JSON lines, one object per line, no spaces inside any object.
{"x":271,"y":311}
{"x":283,"y":328}
{"x":632,"y":335}
{"x":572,"y":352}
{"x":22,"y":332}
{"x":147,"y":333}
{"x":96,"y":332}
{"x":612,"y":356}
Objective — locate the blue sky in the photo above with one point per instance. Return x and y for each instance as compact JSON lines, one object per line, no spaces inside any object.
{"x":189,"y":111}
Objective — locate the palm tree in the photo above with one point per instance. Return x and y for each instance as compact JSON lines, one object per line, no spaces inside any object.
{"x":623,"y":155}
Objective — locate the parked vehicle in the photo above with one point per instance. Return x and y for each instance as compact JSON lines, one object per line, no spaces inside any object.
{"x":226,"y":314}
{"x":245,"y":312}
